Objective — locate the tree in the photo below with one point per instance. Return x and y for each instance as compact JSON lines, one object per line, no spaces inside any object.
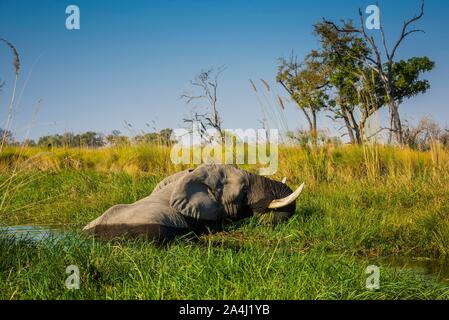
{"x":406,"y":77}
{"x":6,"y":136}
{"x":166,"y":136}
{"x":29,"y":143}
{"x":382,"y":61}
{"x":91,"y":139}
{"x":162,"y":137}
{"x":353,"y":91}
{"x":357,"y":91}
{"x":50,"y":141}
{"x":424,"y":134}
{"x":207,"y":84}
{"x":68,"y":139}
{"x":304,"y":82}
{"x":116,"y":139}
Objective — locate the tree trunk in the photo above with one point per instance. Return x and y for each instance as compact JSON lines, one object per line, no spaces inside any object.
{"x":314,"y":128}
{"x":349,"y":128}
{"x":395,"y":118}
{"x":390,"y":132}
{"x":357,"y":128}
{"x":398,"y":126}
{"x":311,"y":120}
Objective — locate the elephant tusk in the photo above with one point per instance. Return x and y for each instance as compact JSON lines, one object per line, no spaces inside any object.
{"x":284,"y":181}
{"x":280,"y":203}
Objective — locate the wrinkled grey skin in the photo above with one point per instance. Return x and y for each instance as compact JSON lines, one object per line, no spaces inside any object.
{"x":197,"y":200}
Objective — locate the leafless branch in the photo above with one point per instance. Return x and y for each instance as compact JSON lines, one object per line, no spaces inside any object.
{"x":190,"y":98}
{"x":404,"y":32}
{"x":207,"y":82}
{"x":379,"y":131}
{"x":382,"y":34}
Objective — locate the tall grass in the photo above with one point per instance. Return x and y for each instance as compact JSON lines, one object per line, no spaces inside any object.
{"x":321,"y":253}
{"x":360,"y":204}
{"x":399,"y":192}
{"x":7,"y":184}
{"x":313,"y":164}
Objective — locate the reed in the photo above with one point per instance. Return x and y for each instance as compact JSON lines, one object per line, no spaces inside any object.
{"x":314,"y":164}
{"x":360,"y":204}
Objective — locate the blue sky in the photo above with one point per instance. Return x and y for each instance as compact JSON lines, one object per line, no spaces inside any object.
{"x":131,"y":60}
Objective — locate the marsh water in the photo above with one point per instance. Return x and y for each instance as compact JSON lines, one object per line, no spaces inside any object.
{"x":32,"y":233}
{"x":436,"y":268}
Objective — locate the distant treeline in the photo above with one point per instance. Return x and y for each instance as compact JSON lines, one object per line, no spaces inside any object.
{"x":417,"y":137}
{"x":91,"y":139}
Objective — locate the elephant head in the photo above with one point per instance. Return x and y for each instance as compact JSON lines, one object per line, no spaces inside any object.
{"x":217,"y":192}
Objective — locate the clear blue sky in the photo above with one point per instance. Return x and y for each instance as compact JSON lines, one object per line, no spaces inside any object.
{"x":131,"y":60}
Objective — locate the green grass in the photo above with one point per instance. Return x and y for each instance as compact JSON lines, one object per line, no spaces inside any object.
{"x":343,"y":223}
{"x":138,"y":270}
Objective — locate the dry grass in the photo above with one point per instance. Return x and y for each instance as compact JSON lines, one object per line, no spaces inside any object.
{"x":314,"y":165}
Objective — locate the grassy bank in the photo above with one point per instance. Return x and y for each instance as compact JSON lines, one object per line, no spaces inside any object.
{"x":360,"y":204}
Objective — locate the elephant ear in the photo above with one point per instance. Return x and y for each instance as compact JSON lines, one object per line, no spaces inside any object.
{"x":198,"y":193}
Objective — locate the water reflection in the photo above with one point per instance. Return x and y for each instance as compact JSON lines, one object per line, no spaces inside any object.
{"x":30,"y":233}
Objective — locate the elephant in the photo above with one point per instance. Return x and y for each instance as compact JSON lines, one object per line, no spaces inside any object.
{"x":197,"y":201}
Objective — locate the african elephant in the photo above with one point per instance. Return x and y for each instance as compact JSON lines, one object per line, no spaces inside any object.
{"x":197,"y":200}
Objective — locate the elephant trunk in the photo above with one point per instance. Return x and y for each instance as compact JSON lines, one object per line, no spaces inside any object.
{"x":264,"y":192}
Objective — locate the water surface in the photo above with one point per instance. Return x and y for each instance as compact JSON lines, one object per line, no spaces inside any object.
{"x":32,"y":233}
{"x":437,"y":268}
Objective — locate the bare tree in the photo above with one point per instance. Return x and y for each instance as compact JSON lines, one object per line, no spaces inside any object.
{"x":384,"y":66}
{"x":197,"y":126}
{"x":424,"y":133}
{"x":206,"y":84}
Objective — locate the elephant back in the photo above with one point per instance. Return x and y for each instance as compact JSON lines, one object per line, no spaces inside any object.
{"x":170,"y":179}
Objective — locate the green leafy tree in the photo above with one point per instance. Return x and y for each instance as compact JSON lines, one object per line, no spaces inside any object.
{"x":116,"y":139}
{"x":353,"y":93}
{"x":91,"y":139}
{"x":71,"y":140}
{"x":304,"y":82}
{"x":159,"y":138}
{"x":51,"y":141}
{"x":382,"y":61}
{"x":406,"y":77}
{"x":29,"y":143}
